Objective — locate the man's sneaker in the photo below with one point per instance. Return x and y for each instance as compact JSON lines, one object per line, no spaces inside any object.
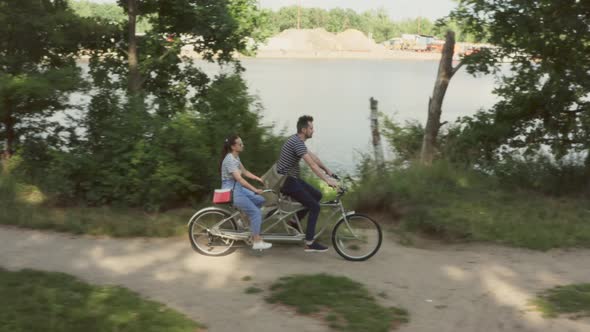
{"x":293,"y":224}
{"x":261,"y":245}
{"x":315,"y":247}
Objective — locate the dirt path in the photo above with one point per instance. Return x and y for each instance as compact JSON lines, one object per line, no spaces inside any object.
{"x":459,"y":288}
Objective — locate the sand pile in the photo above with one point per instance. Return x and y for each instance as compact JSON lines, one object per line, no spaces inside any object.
{"x":356,"y":41}
{"x":320,"y":40}
{"x":304,"y":40}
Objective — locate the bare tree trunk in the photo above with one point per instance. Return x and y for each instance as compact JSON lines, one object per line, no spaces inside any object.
{"x":376,"y":135}
{"x":134,"y":83}
{"x":10,"y":137}
{"x":298,"y":14}
{"x":445,"y":73}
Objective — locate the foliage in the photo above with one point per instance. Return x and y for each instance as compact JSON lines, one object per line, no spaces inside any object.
{"x":376,"y":22}
{"x":33,"y":300}
{"x":348,"y":303}
{"x":143,"y":159}
{"x":405,"y":140}
{"x":573,"y":300}
{"x":544,"y":93}
{"x":108,"y":12}
{"x":454,"y":202}
{"x":26,"y":206}
{"x":159,"y":147}
{"x":37,"y":63}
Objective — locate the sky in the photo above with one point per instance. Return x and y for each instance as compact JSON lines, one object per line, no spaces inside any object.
{"x":397,"y":9}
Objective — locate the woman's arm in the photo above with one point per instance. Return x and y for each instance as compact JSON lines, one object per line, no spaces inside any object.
{"x":238,"y":177}
{"x":248,"y":174}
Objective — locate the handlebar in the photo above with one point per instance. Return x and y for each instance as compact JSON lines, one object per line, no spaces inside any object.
{"x":341,"y":188}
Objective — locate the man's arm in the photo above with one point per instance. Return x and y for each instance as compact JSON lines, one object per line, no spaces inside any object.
{"x":319,"y":163}
{"x":318,"y":171}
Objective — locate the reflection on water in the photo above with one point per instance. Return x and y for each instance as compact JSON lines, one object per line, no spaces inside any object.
{"x":336,"y":93}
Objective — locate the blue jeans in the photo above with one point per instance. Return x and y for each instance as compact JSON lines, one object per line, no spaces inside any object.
{"x":248,"y":202}
{"x":307,"y":195}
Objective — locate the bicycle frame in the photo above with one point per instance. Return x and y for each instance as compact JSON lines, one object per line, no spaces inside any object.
{"x":280,"y":216}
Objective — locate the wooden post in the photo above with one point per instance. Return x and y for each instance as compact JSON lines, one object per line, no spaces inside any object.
{"x":433,"y":124}
{"x":377,"y":147}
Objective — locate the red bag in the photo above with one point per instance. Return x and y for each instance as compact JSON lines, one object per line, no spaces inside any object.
{"x":223,"y":196}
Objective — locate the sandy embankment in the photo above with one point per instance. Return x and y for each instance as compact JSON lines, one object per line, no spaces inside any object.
{"x":321,"y":44}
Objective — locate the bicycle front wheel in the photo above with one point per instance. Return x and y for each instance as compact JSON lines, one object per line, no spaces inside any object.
{"x":201,"y":237}
{"x":357,"y":237}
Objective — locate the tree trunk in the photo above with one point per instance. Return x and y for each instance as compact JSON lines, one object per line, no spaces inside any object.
{"x":298,"y":14}
{"x":445,"y":73}
{"x":10,"y":137}
{"x":8,"y":122}
{"x":134,"y":83}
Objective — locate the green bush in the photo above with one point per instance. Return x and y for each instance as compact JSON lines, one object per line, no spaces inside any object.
{"x":135,"y":158}
{"x":455,"y":202}
{"x":542,"y":174}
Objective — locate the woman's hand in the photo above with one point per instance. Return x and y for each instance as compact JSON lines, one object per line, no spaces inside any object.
{"x":259,"y":180}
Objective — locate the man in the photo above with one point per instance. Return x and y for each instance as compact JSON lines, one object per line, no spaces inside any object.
{"x":291,"y":153}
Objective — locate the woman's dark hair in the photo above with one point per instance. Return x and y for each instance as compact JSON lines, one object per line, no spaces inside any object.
{"x":303,"y":122}
{"x":227,"y":143}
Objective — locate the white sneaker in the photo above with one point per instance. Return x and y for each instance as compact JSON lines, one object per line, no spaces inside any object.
{"x":261,"y":245}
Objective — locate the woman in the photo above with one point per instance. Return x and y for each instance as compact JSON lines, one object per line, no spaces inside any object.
{"x":246,"y":197}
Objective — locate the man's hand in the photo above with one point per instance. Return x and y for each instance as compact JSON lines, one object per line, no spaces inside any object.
{"x":332,"y":182}
{"x":258,"y":191}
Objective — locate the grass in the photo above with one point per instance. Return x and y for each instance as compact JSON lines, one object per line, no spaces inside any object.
{"x":98,"y":221}
{"x":441,"y":201}
{"x":253,"y":290}
{"x":573,"y":300}
{"x":345,"y":304}
{"x":41,"y":301}
{"x":454,"y":204}
{"x":25,"y":206}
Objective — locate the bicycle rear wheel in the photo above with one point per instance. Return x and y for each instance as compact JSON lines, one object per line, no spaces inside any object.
{"x":357,"y":238}
{"x":201,"y":238}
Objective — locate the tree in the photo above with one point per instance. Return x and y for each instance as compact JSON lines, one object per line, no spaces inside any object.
{"x":155,"y":120}
{"x":544,"y":89}
{"x":39,"y":41}
{"x":433,"y":124}
{"x":108,"y":12}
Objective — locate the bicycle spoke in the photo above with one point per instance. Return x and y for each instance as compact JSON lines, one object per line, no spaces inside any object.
{"x":357,"y":238}
{"x":203,"y":240}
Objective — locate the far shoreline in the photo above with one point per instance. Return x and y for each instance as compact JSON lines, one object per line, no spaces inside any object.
{"x":380,"y":56}
{"x":346,"y":56}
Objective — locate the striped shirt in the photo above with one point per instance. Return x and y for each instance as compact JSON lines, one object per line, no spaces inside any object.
{"x":291,"y":153}
{"x":229,"y":165}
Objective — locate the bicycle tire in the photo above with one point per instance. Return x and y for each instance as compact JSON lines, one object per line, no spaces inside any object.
{"x":337,"y":240}
{"x":201,"y":219}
